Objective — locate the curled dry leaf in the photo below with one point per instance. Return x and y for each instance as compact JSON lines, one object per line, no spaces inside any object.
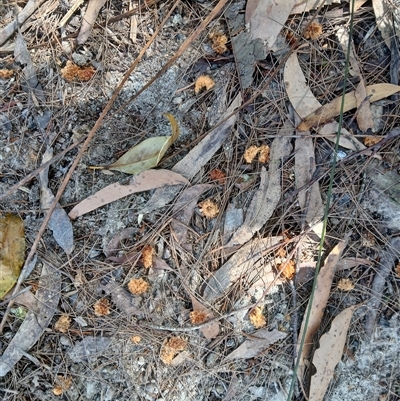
{"x":102,"y":307}
{"x":345,"y":284}
{"x":313,"y":31}
{"x":257,"y":318}
{"x":171,"y":347}
{"x":63,"y":323}
{"x":146,"y":154}
{"x":203,"y":82}
{"x":138,"y":286}
{"x":72,"y":72}
{"x":209,"y":209}
{"x":219,"y":41}
{"x":12,"y":251}
{"x":147,"y":256}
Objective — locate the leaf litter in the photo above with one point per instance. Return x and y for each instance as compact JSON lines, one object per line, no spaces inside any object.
{"x":262,"y":213}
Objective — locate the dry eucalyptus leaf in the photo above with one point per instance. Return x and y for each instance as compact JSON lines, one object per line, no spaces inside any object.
{"x":143,"y":181}
{"x":251,"y":348}
{"x":59,"y":223}
{"x":322,"y":291}
{"x":249,"y":262}
{"x":12,"y":251}
{"x":146,"y":154}
{"x":267,"y":18}
{"x":329,"y":354}
{"x":332,"y":109}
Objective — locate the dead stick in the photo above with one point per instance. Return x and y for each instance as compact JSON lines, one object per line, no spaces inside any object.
{"x":77,"y":159}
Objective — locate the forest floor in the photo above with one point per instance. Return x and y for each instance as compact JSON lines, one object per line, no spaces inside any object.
{"x":255,"y":235}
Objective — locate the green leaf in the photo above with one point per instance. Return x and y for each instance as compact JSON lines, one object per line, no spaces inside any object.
{"x":148,"y":153}
{"x":12,"y":251}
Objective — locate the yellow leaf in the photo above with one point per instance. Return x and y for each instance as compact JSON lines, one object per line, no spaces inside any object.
{"x":148,"y":153}
{"x":12,"y":251}
{"x":332,"y":109}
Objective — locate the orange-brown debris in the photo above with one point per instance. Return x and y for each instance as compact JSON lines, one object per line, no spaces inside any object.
{"x":209,"y":209}
{"x":288,"y":269}
{"x":218,"y":175}
{"x":63,"y":324}
{"x":219,"y":41}
{"x":102,"y":307}
{"x":147,"y":256}
{"x":72,"y":72}
{"x":171,"y":347}
{"x":313,"y":31}
{"x":63,"y":384}
{"x":6,"y":74}
{"x":198,"y":317}
{"x":257,"y":319}
{"x":250,"y":153}
{"x":138,"y":286}
{"x":263,"y":156}
{"x":203,"y":82}
{"x":345,"y":284}
{"x":372,"y":140}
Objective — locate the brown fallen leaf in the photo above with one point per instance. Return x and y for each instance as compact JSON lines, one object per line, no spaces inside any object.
{"x":143,"y":181}
{"x":329,"y":354}
{"x":349,"y":263}
{"x":12,"y":251}
{"x":332,"y":109}
{"x":310,"y":199}
{"x":147,"y":154}
{"x":305,"y":103}
{"x":267,"y":18}
{"x":261,"y":340}
{"x":319,"y":302}
{"x":92,"y":11}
